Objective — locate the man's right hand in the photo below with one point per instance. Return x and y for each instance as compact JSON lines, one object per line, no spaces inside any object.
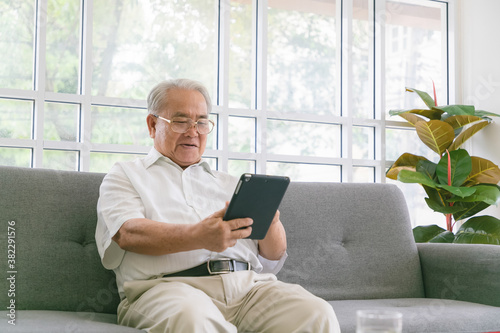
{"x":217,"y":235}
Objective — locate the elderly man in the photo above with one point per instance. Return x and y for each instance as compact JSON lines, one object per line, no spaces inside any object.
{"x":160,"y":229}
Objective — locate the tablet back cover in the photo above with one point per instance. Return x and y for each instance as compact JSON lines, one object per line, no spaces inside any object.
{"x":258,"y":197}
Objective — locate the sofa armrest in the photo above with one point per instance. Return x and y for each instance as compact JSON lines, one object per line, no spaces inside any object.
{"x":465,"y":272}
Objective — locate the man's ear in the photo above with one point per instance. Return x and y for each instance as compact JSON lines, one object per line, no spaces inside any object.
{"x":151,"y":120}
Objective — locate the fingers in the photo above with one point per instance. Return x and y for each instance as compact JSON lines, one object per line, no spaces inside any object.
{"x":242,"y":233}
{"x":239,"y":223}
{"x":218,"y":235}
{"x":241,"y":228}
{"x":220,"y":213}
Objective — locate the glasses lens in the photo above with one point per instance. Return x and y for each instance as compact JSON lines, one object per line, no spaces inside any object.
{"x":182,"y":125}
{"x":204,"y":126}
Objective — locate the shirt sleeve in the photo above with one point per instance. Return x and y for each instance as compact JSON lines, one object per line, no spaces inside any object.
{"x":272,"y":266}
{"x":118,"y":202}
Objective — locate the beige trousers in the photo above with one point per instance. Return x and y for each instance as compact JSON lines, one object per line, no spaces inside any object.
{"x":237,"y":302}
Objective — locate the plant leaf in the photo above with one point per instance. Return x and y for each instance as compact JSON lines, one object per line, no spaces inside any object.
{"x":426,"y":167}
{"x":469,"y":209}
{"x":457,"y":110}
{"x":398,"y":112}
{"x":435,"y":195}
{"x":485,"y":114}
{"x":406,"y":161}
{"x":423,"y":234}
{"x":433,"y":114}
{"x":438,"y":206}
{"x":461,"y":166}
{"x":479,"y":230}
{"x":413,"y":177}
{"x":460,"y":121}
{"x":444,"y":237}
{"x":458,"y":191}
{"x":424,"y":96}
{"x":483,"y":171}
{"x":430,"y":114}
{"x":485,"y":193}
{"x":411,"y":118}
{"x":467,"y":134}
{"x":435,"y":134}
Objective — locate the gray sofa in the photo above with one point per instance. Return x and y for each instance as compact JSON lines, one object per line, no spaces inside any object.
{"x":350,"y":244}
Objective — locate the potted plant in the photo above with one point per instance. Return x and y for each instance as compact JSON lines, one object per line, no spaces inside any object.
{"x":457,"y":185}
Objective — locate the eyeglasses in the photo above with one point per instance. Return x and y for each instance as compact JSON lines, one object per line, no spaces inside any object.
{"x":182,"y":125}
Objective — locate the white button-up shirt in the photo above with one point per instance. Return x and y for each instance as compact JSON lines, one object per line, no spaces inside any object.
{"x":156,"y":188}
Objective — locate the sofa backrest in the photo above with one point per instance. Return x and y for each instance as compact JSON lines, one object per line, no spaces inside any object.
{"x":345,"y":241}
{"x":56,"y":259}
{"x":350,"y":241}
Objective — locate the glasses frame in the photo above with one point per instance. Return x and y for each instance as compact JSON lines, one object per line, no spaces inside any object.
{"x":193,"y":123}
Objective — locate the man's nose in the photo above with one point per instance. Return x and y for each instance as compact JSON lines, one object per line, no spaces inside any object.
{"x":193,"y":130}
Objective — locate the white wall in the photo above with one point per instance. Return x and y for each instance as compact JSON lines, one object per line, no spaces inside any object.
{"x":478,"y":72}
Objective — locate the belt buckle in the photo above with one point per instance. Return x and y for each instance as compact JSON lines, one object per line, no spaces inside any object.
{"x":225,"y":270}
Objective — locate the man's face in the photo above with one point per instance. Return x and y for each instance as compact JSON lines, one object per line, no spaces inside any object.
{"x":184,"y":149}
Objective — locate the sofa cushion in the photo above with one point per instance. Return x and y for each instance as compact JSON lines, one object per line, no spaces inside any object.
{"x":358,"y":245}
{"x":57,"y":264}
{"x":63,"y":321}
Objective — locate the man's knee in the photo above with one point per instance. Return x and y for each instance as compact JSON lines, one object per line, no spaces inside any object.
{"x":325,"y":311}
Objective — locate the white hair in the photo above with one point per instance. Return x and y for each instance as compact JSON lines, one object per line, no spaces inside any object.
{"x":158,"y":97}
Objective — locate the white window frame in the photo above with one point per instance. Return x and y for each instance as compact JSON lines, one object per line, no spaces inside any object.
{"x":259,"y":110}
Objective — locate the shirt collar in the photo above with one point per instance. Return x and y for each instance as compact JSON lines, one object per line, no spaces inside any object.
{"x":154,"y":155}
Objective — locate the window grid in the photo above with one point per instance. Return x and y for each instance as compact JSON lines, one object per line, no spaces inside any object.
{"x":259,"y":111}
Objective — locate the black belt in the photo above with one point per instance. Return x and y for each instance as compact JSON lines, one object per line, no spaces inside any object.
{"x":214,"y":267}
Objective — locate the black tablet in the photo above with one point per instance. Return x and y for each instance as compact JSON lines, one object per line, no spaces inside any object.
{"x":257,"y":197}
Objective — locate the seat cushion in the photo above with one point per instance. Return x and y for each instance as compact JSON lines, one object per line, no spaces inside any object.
{"x":425,"y":314}
{"x":63,"y":321}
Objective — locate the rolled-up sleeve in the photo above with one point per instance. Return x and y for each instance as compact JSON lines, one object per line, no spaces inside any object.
{"x":118,"y":202}
{"x":272,"y":266}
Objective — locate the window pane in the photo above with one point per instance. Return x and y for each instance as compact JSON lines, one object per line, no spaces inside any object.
{"x":415,"y":55}
{"x":239,"y":167}
{"x":399,"y":141}
{"x":362,"y":65}
{"x":63,"y":46}
{"x":61,"y":121}
{"x":301,"y":56}
{"x":241,"y":134}
{"x":60,"y":159}
{"x":305,"y":172}
{"x":363,"y":145}
{"x":18,"y":157}
{"x":363,"y":174}
{"x":119,"y":126}
{"x":16,"y":119}
{"x":212,"y":161}
{"x":136,"y":44}
{"x":102,"y":162}
{"x":420,"y":213}
{"x":212,"y":137}
{"x":16,"y":44}
{"x":303,"y":139}
{"x":240,"y":54}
